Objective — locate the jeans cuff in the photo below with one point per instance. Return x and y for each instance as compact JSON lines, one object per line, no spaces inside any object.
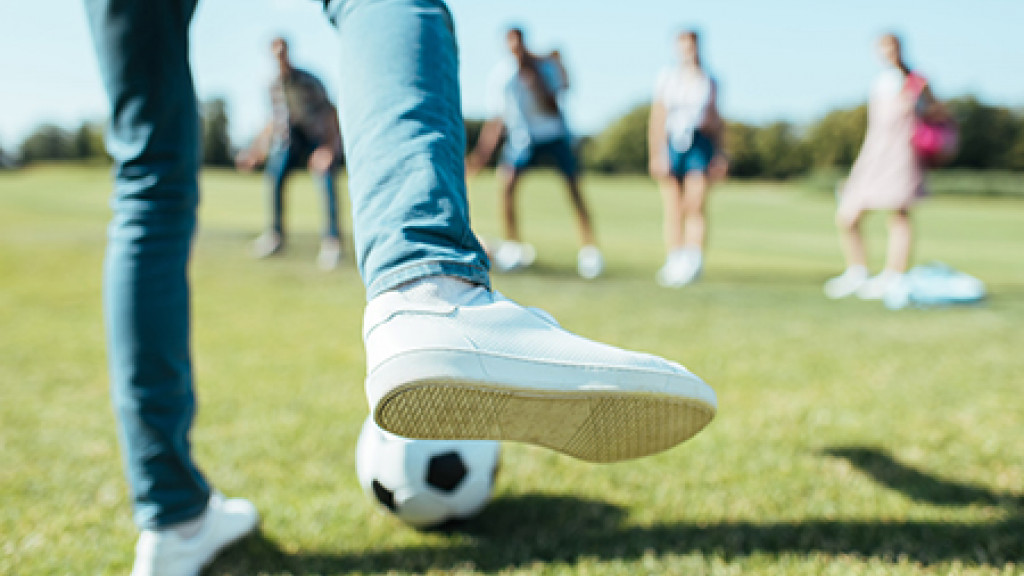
{"x":472,"y":273}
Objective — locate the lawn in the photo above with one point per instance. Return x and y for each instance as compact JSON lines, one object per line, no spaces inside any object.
{"x":850,"y":439}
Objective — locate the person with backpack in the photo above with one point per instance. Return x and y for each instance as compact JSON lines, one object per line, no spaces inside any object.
{"x":888,"y":174}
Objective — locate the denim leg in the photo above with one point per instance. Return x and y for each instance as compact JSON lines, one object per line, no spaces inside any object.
{"x":405,"y":142}
{"x":328,"y":183}
{"x":277,"y":169}
{"x":154,"y":138}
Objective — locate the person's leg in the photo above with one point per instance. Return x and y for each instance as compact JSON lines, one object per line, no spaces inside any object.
{"x":401,"y":113}
{"x":508,"y":179}
{"x":695,"y":190}
{"x":279,"y":164}
{"x":447,"y":357}
{"x":900,"y":242}
{"x":330,"y":240}
{"x":851,"y":239}
{"x":856,"y":274}
{"x":154,"y":140}
{"x":579,"y":205}
{"x":672,"y":213}
{"x":328,"y":185}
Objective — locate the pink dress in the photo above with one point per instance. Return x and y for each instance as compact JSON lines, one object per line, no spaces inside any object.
{"x":887,"y":174}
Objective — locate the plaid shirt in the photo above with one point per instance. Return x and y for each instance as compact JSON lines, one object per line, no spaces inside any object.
{"x":299,"y":102}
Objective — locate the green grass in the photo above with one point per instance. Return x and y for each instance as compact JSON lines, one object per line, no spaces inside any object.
{"x":850,"y":439}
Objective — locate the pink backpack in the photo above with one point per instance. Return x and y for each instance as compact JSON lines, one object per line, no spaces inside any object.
{"x":935,"y":142}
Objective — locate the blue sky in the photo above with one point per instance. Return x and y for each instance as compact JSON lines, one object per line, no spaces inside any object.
{"x":791,"y":59}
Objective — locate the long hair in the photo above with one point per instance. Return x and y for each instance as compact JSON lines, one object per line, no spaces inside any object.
{"x":900,"y":62}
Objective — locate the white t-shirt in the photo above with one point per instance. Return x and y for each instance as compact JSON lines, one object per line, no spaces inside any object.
{"x":888,"y":83}
{"x":686,"y":97}
{"x":525,"y":119}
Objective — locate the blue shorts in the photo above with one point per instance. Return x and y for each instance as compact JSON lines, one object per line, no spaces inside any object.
{"x":695,"y":159}
{"x":556,"y":152}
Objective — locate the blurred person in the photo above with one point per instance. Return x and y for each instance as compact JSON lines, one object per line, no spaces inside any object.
{"x":887,"y":175}
{"x":446,"y":356}
{"x":685,"y":144}
{"x":304,"y":131}
{"x":525,"y":93}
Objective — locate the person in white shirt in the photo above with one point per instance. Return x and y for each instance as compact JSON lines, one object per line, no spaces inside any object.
{"x":524,"y":93}
{"x":685,"y":143}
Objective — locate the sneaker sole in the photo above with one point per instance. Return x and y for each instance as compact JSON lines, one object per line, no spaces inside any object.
{"x":597,"y":423}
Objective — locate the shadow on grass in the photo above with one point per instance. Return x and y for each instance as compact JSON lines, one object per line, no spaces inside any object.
{"x":886,"y":470}
{"x":517,"y":532}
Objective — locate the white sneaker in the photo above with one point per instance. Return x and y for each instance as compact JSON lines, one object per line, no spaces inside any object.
{"x":877,"y":286}
{"x":330,"y":254}
{"x":512,"y":256}
{"x":267,"y":244}
{"x":590,"y":262}
{"x":168,"y":553}
{"x":682,"y":267}
{"x":448,"y":360}
{"x":847,"y":283}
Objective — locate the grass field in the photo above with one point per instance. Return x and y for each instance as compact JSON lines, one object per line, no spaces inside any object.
{"x":850,"y":439}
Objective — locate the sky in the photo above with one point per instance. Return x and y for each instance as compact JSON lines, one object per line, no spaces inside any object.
{"x":783,"y":59}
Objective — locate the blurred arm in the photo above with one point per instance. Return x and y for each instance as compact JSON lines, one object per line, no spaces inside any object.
{"x":486,"y":144}
{"x":657,"y":142}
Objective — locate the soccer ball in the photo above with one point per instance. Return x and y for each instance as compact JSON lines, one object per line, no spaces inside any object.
{"x":425,"y":483}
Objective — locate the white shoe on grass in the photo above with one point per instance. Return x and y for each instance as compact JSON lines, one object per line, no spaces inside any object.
{"x":683,"y":266}
{"x":330,"y":254}
{"x":876,"y":287}
{"x":169,"y":552}
{"x":590,"y":262}
{"x":449,"y":360}
{"x":511,"y":256}
{"x":267,"y":244}
{"x":847,"y":283}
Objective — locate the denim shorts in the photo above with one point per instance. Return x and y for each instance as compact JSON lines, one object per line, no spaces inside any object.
{"x":696,"y":158}
{"x":558,"y":153}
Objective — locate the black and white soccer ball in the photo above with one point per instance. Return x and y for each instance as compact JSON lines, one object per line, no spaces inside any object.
{"x":426,"y":483}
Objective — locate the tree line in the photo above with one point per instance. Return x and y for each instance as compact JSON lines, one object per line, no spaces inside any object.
{"x":52,"y":143}
{"x":991,"y":137}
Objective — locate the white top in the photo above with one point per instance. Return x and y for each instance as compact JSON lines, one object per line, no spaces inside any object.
{"x":889,"y":83}
{"x":525,"y":118}
{"x":686,"y":96}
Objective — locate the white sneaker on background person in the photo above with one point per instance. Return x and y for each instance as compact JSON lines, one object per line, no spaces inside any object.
{"x":450,"y":360}
{"x":876,"y":287}
{"x":511,"y":256}
{"x":589,"y":262}
{"x":267,"y":244}
{"x":683,"y":266}
{"x":330,"y":254}
{"x":184,"y":549}
{"x":847,"y":283}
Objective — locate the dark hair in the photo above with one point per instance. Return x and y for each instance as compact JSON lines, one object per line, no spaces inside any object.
{"x":900,"y":62}
{"x":694,"y":35}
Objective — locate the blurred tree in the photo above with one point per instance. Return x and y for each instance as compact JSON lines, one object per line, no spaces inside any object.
{"x":88,"y":142}
{"x":215,"y":138}
{"x":782,"y":152}
{"x":47,"y":142}
{"x":741,"y":147}
{"x":622,"y":147}
{"x":835,"y":140}
{"x":987,"y":134}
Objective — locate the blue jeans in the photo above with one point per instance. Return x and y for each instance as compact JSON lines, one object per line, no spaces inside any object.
{"x":401,"y":114}
{"x":283,"y":158}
